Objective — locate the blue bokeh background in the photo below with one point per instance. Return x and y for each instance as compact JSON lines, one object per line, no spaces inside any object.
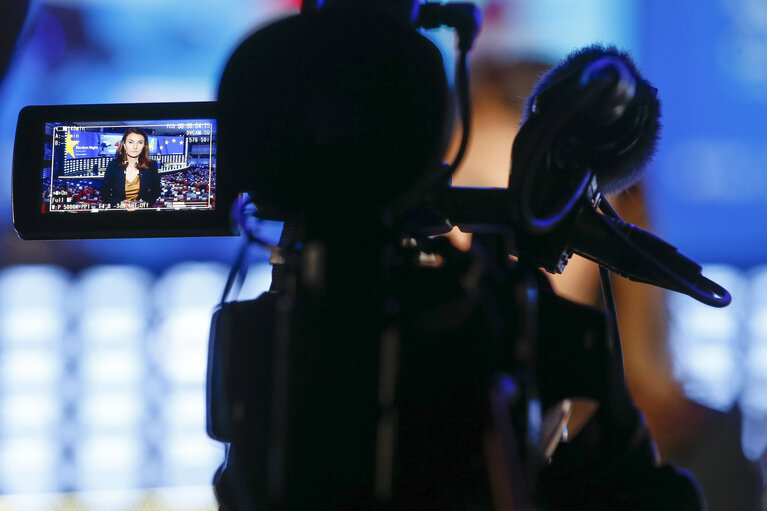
{"x":709,"y":183}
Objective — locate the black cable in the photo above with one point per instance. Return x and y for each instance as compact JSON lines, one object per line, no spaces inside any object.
{"x":444,"y":171}
{"x":237,"y":489}
{"x":612,"y":316}
{"x":464,"y":103}
{"x":239,"y":270}
{"x":607,"y":208}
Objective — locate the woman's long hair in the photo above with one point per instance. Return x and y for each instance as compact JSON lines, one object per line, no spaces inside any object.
{"x":143,"y":158}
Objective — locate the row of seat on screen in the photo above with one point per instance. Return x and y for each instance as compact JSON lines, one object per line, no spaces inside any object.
{"x":102,"y":376}
{"x":720,"y":355}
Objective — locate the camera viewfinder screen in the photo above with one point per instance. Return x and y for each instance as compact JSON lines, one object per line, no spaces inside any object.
{"x":101,"y":167}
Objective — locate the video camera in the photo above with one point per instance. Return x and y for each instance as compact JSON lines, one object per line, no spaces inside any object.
{"x":389,"y":370}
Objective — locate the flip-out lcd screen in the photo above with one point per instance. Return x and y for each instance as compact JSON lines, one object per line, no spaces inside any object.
{"x":117,"y":171}
{"x":89,"y":167}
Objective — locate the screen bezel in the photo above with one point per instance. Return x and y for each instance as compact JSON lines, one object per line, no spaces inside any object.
{"x":31,"y":222}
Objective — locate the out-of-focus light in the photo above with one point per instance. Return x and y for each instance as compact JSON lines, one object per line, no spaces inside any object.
{"x":187,"y":368}
{"x":758,"y":325}
{"x":111,"y":411}
{"x":191,"y":458}
{"x":257,"y":281}
{"x":710,"y":394}
{"x":180,"y":345}
{"x":758,"y":294}
{"x":34,"y":287}
{"x":185,"y":410}
{"x":701,"y":324}
{"x":702,"y":320}
{"x":31,"y":368}
{"x":707,"y":344}
{"x":186,"y":498}
{"x":111,"y":304}
{"x":28,"y":464}
{"x":732,"y":279}
{"x":754,"y":437}
{"x":29,"y":413}
{"x":711,"y":361}
{"x":109,"y":462}
{"x":113,"y":286}
{"x":756,"y":360}
{"x":36,"y":325}
{"x":32,"y":299}
{"x":709,"y":374}
{"x":754,"y":398}
{"x":110,"y":326}
{"x":112,"y":367}
{"x":190,"y":286}
{"x":753,"y":401}
{"x":186,"y":326}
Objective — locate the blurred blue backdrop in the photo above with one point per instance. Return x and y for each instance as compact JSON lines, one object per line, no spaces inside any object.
{"x":709,"y":183}
{"x":69,"y":393}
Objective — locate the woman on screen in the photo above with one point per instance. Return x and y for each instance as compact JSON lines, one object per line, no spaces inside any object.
{"x":131,"y":179}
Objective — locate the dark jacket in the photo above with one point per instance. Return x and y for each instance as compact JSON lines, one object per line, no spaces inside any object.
{"x":113,"y":185}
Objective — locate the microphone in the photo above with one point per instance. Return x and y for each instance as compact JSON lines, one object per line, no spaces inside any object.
{"x":591,"y":125}
{"x":615,"y":132}
{"x":594,"y":114}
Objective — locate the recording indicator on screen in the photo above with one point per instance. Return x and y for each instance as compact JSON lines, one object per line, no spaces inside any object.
{"x":155,"y":165}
